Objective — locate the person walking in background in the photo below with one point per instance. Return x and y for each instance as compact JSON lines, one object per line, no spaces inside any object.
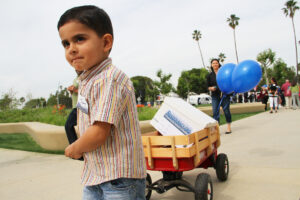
{"x":246,"y":97}
{"x":216,"y":95}
{"x":295,"y":94}
{"x":240,"y":98}
{"x":273,"y":96}
{"x":72,"y":118}
{"x":282,"y":98}
{"x":263,"y":96}
{"x":279,"y":99}
{"x":286,"y":88}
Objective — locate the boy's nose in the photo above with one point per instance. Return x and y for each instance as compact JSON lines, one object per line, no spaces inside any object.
{"x":72,"y":49}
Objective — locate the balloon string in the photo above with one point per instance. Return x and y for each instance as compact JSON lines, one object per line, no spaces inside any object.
{"x":223,"y":96}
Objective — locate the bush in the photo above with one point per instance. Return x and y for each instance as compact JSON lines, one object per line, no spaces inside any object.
{"x":44,"y":115}
{"x":56,"y":116}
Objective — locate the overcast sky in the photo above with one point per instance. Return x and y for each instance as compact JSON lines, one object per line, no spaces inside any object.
{"x":149,"y":35}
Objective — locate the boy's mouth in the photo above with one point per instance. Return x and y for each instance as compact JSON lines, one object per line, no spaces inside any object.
{"x":76,"y":59}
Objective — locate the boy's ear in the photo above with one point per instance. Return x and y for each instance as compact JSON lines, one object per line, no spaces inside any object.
{"x":108,"y":42}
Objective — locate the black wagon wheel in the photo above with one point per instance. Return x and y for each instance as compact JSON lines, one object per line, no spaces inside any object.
{"x":148,"y":191}
{"x":203,"y":187}
{"x":222,"y":167}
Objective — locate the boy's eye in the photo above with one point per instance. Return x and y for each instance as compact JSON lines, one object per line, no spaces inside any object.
{"x":80,"y":39}
{"x":65,"y":44}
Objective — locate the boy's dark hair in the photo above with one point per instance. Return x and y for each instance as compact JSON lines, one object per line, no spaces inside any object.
{"x":93,"y":17}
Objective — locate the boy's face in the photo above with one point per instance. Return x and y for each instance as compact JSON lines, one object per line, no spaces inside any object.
{"x":83,"y":47}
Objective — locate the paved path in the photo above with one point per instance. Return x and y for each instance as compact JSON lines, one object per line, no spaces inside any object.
{"x":263,"y":152}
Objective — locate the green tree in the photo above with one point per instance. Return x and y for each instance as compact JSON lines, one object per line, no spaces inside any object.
{"x":35,"y":103}
{"x":193,"y":80}
{"x":281,"y":72}
{"x":197,"y":36}
{"x":266,"y":59}
{"x":9,"y":100}
{"x":221,"y":57}
{"x":52,"y":100}
{"x":289,"y":10}
{"x":233,"y":23}
{"x":163,"y":85}
{"x":22,"y":100}
{"x":144,"y":88}
{"x":61,"y":96}
{"x":5,"y":102}
{"x":183,"y":86}
{"x":151,"y":92}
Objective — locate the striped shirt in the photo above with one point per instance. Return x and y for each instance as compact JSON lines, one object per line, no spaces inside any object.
{"x":110,"y":97}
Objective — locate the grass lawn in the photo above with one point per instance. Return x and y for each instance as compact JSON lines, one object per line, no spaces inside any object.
{"x":235,"y":117}
{"x":146,"y":113}
{"x":44,"y":115}
{"x":22,"y":141}
{"x":47,"y":115}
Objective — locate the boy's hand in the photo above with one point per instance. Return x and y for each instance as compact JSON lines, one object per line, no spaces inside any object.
{"x":71,"y":152}
{"x":93,"y":138}
{"x":71,"y":88}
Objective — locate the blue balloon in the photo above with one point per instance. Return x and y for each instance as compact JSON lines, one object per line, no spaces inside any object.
{"x":246,"y":76}
{"x":224,"y":78}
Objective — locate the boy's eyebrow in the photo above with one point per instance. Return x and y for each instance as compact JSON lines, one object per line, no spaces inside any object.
{"x":78,"y":35}
{"x":75,"y":37}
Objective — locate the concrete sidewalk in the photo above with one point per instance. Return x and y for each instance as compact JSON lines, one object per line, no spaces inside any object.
{"x":263,"y":152}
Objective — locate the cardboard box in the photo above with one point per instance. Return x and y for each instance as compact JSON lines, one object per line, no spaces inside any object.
{"x":177,"y":117}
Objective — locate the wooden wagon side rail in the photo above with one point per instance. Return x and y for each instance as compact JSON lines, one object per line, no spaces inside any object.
{"x":149,"y":154}
{"x":173,"y":146}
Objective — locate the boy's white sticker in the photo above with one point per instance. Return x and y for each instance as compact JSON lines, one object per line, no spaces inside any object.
{"x":82,"y":104}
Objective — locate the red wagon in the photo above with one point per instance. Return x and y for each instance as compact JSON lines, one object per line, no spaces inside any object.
{"x":175,"y":154}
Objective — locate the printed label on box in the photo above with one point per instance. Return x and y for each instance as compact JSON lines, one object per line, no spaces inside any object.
{"x":175,"y":121}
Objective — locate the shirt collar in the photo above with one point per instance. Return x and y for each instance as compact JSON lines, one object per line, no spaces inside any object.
{"x":95,"y":69}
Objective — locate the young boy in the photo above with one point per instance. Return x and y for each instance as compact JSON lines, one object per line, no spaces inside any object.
{"x":110,"y":138}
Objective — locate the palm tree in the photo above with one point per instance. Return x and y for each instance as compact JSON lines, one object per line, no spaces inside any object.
{"x":234,"y":22}
{"x":289,"y":10}
{"x":197,"y":37}
{"x":222,"y":57}
{"x":266,"y":59}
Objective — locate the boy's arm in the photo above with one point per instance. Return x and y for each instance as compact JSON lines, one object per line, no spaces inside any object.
{"x":93,"y":138}
{"x":70,"y":88}
{"x":75,"y":90}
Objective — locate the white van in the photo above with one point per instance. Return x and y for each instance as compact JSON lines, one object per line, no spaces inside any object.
{"x":199,"y":99}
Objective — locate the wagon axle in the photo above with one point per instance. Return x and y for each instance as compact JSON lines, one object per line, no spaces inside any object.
{"x":170,"y":180}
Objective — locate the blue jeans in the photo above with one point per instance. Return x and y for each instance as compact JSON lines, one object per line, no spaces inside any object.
{"x":119,"y":189}
{"x":225,"y":105}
